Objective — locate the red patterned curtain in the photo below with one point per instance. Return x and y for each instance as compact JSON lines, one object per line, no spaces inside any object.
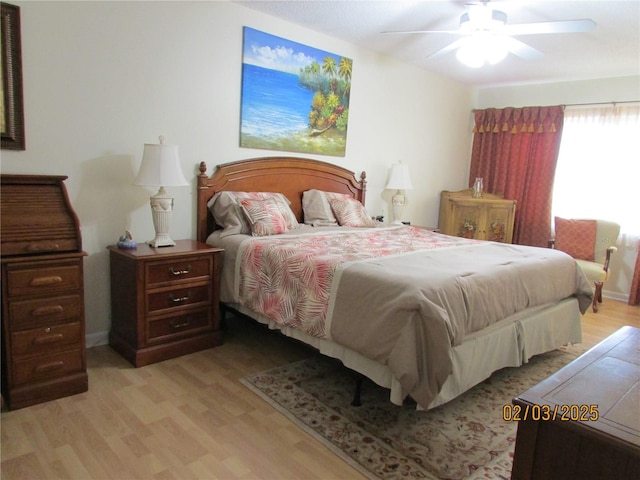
{"x":634,"y":294}
{"x":515,"y":151}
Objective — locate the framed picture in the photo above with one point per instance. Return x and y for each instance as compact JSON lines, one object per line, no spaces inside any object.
{"x":295,"y":98}
{"x":11,"y":104}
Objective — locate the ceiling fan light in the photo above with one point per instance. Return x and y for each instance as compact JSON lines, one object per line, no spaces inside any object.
{"x":471,"y":55}
{"x":494,"y":49}
{"x":496,"y":55}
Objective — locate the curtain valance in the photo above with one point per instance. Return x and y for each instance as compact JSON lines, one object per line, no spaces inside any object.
{"x":517,"y":120}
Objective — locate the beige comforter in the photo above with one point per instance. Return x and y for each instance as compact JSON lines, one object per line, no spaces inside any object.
{"x":429,"y":301}
{"x":406,"y":309}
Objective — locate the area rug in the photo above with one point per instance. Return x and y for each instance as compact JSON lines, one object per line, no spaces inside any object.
{"x":467,"y":438}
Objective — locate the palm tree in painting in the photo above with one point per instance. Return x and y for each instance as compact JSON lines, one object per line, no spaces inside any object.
{"x":344,"y":69}
{"x":329,"y":66}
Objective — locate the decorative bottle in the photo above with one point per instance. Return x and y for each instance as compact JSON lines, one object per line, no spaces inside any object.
{"x":477,"y":188}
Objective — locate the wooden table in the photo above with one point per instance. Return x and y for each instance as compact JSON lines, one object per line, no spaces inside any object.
{"x":596,"y":404}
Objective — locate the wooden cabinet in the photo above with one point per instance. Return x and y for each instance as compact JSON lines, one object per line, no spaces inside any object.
{"x":487,"y":218}
{"x":164,"y":301}
{"x":43,"y":331}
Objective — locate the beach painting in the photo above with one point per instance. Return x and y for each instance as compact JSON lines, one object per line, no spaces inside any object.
{"x":295,"y":98}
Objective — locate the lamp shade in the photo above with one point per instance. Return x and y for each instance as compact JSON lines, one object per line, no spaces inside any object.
{"x":160,"y":166}
{"x":400,"y":178}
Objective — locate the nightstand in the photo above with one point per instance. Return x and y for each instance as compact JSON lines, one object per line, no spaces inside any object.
{"x":164,"y":301}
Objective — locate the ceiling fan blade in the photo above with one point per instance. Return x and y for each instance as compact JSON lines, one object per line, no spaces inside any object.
{"x":454,"y":32}
{"x":563,"y":26}
{"x":521,"y":49}
{"x":449,"y":48}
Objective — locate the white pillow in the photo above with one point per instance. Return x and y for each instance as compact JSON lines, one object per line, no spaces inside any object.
{"x":316,"y":210}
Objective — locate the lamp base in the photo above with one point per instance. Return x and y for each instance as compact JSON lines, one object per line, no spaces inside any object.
{"x":161,"y":210}
{"x":397,"y":202}
{"x":161,"y":241}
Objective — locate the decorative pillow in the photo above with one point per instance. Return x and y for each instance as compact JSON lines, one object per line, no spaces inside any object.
{"x":265,"y":216}
{"x":348,"y":211}
{"x":228,"y":214}
{"x":316,"y":209}
{"x":576,"y":237}
{"x":227,"y":210}
{"x":281,"y":201}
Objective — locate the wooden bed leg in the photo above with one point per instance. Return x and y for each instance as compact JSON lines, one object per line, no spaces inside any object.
{"x":356,"y":397}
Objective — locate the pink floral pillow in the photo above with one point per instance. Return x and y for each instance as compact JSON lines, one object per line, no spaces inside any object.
{"x":265,"y":216}
{"x":576,"y":237}
{"x":280,"y":200}
{"x":348,"y":211}
{"x":228,"y":213}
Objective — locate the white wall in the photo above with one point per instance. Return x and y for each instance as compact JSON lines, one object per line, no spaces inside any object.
{"x":560,"y":93}
{"x":103,"y":78}
{"x":563,"y":93}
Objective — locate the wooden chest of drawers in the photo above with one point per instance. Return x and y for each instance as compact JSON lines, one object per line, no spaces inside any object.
{"x":43,"y":332}
{"x":164,"y":301}
{"x":43,"y":313}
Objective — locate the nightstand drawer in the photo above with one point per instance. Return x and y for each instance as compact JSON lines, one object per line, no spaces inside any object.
{"x":47,"y":367}
{"x":178,"y":325}
{"x":189,"y":296}
{"x":44,"y":312}
{"x":44,"y":280}
{"x":193,"y":268}
{"x":40,"y":341}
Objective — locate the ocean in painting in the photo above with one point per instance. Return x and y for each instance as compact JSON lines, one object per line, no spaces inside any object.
{"x":273,"y":103}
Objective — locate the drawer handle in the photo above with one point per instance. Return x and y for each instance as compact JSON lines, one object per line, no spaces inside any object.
{"x":49,"y":367}
{"x":34,"y":247}
{"x":177,"y":273}
{"x":48,"y":339}
{"x":179,"y":325}
{"x":48,"y":310}
{"x":45,"y":281}
{"x":179,"y":299}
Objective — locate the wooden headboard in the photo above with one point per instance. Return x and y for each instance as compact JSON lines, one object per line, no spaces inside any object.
{"x":288,"y":175}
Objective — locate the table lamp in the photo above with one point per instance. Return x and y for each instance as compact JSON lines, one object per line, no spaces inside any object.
{"x":400,"y":179}
{"x":160,"y":167}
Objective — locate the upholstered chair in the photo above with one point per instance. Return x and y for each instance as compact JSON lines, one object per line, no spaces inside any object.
{"x":591,"y":242}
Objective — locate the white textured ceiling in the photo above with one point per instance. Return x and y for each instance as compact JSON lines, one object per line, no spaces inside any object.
{"x":611,"y":50}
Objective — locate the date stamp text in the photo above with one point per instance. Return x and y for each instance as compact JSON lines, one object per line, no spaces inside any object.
{"x":565,"y":413}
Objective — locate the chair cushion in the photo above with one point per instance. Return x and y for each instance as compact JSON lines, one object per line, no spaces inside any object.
{"x":593,"y":271}
{"x":576,"y":237}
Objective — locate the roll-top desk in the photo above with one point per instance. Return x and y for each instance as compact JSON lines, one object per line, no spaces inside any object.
{"x":43,"y":331}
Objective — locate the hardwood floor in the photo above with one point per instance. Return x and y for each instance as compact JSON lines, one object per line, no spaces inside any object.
{"x":189,"y":417}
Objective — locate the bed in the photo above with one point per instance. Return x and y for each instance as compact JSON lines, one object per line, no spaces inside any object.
{"x":423,"y":314}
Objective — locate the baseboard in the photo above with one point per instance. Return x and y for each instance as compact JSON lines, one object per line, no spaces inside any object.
{"x":621,"y":297}
{"x":96,"y":339}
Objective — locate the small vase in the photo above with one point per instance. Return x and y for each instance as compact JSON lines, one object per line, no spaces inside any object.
{"x":477,"y":188}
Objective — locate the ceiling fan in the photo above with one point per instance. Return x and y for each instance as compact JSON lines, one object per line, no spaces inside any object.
{"x":487,"y":38}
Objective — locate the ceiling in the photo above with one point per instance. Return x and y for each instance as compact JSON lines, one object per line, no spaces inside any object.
{"x":611,"y":50}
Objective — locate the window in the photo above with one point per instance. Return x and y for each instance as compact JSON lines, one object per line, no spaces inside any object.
{"x":598,"y":170}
